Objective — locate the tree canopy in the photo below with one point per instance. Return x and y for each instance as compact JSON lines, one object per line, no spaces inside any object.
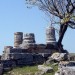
{"x":63,"y":9}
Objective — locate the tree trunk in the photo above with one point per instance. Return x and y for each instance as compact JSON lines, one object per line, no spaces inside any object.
{"x":62,"y":31}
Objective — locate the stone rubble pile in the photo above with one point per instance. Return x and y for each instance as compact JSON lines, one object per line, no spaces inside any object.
{"x":45,"y":69}
{"x":67,"y":71}
{"x":59,"y":56}
{"x":66,"y":68}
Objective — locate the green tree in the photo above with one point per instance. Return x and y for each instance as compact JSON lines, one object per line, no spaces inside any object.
{"x":63,"y":9}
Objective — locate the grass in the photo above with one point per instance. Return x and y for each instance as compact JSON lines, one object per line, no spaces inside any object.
{"x":29,"y":70}
{"x":23,"y":70}
{"x":55,"y":68}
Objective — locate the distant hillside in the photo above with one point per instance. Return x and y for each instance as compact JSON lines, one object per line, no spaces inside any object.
{"x":72,"y":54}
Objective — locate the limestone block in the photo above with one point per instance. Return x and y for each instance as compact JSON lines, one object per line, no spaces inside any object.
{"x":38,"y":59}
{"x":45,"y":69}
{"x":59,"y":56}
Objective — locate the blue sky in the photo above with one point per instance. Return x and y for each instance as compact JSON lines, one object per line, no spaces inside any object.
{"x":15,"y":17}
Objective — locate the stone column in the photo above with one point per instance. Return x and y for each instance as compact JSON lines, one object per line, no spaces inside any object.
{"x":50,"y":35}
{"x":18,"y":38}
{"x":29,"y":38}
{"x":28,"y":41}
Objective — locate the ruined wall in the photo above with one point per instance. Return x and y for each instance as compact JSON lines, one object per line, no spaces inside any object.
{"x":1,"y":69}
{"x":27,"y":51}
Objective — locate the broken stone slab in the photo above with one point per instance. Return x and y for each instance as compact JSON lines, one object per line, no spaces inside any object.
{"x":59,"y":56}
{"x":45,"y":69}
{"x":49,"y":61}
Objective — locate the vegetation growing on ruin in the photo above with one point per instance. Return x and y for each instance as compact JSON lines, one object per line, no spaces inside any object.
{"x":23,"y":70}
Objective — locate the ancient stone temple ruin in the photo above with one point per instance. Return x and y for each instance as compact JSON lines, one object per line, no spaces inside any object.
{"x":26,"y":51}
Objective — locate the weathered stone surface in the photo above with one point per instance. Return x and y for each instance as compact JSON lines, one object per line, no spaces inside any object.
{"x":49,"y":61}
{"x":45,"y":55}
{"x":18,"y":38}
{"x":63,"y":64}
{"x":1,"y":69}
{"x":6,"y":63}
{"x":59,"y":56}
{"x":67,"y":71}
{"x":41,"y":46}
{"x":38,"y":59}
{"x":50,"y":35}
{"x":45,"y":69}
{"x":66,"y":64}
{"x":28,"y":60}
{"x":20,"y":59}
{"x":39,"y":73}
{"x":29,"y":36}
{"x":66,"y":68}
